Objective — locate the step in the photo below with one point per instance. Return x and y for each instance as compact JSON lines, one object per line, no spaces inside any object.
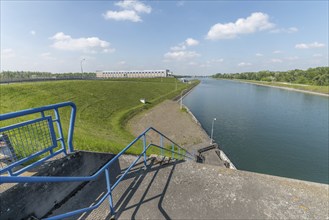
{"x":92,"y":192}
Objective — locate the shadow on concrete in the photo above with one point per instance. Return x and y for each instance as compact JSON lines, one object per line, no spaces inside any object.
{"x":138,"y":173}
{"x":36,"y":200}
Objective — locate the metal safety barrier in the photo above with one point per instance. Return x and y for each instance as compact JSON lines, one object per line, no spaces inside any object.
{"x":175,"y":152}
{"x":34,"y":139}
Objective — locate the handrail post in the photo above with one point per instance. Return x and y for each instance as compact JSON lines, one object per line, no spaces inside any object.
{"x":60,"y":130}
{"x":173,"y":151}
{"x":161,"y":144}
{"x":71,"y":128}
{"x":108,"y":184}
{"x":144,"y":149}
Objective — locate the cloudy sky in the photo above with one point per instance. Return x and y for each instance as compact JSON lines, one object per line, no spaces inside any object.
{"x":187,"y":37}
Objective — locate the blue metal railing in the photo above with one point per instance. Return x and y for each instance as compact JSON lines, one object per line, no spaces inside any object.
{"x":178,"y":153}
{"x":31,"y":139}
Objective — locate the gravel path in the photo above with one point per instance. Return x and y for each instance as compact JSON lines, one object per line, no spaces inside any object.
{"x":176,"y":124}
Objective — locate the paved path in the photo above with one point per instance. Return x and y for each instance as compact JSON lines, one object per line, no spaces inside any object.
{"x":170,"y":120}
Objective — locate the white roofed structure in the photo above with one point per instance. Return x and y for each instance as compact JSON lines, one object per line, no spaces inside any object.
{"x":133,"y":74}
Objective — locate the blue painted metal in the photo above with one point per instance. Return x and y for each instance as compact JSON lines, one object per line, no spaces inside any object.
{"x":36,"y":137}
{"x":108,"y":184}
{"x":144,"y":148}
{"x":104,"y":169}
{"x":59,"y":128}
{"x":161,"y":144}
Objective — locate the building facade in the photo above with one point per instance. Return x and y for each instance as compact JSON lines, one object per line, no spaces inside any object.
{"x":133,"y":74}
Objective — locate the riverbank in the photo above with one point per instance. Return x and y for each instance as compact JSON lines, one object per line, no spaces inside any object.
{"x":181,"y":126}
{"x":292,"y":87}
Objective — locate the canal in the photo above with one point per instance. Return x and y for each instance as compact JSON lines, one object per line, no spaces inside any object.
{"x":266,"y":130}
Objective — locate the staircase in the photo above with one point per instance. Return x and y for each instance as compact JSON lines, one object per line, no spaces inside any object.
{"x":169,"y":185}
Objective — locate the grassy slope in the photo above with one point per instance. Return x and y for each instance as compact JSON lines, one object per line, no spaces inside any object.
{"x":103,"y":106}
{"x":311,"y":88}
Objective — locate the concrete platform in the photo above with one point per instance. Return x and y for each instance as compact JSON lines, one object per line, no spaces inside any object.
{"x":189,"y":190}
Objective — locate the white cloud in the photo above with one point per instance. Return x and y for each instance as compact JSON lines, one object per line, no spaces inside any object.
{"x":276,"y":61}
{"x":187,"y":43}
{"x":126,"y":15}
{"x":215,"y":61}
{"x":210,"y":63}
{"x":134,"y":5}
{"x":244,"y":64}
{"x":90,"y":44}
{"x":192,"y":63}
{"x":7,"y":53}
{"x":292,"y":58}
{"x":179,"y":52}
{"x":191,"y":42}
{"x":292,"y":29}
{"x":122,"y":62}
{"x":310,"y":45}
{"x":47,"y":56}
{"x":257,"y":21}
{"x":317,"y":55}
{"x":277,"y":51}
{"x":179,"y":47}
{"x":131,"y":11}
{"x":259,"y":55}
{"x":181,"y":55}
{"x":32,"y":32}
{"x":285,"y":30}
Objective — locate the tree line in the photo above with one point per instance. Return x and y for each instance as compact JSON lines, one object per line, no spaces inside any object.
{"x":312,"y":76}
{"x":16,"y":75}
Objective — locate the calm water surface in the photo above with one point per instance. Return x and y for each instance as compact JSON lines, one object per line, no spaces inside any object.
{"x":266,"y":130}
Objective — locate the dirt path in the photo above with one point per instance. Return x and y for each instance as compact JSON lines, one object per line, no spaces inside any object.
{"x":174,"y":123}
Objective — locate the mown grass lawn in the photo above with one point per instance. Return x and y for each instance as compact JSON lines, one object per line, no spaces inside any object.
{"x":103,"y":106}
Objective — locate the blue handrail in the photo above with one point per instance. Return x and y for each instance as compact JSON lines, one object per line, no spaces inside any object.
{"x":105,"y":168}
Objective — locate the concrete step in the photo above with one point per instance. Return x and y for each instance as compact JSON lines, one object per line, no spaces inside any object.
{"x":92,"y":192}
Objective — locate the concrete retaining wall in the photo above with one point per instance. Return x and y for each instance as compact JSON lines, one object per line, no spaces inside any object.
{"x":37,"y":199}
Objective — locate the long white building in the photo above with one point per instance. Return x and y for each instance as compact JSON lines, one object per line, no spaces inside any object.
{"x":133,"y":74}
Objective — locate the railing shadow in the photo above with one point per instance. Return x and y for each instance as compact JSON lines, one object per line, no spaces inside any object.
{"x":138,"y":174}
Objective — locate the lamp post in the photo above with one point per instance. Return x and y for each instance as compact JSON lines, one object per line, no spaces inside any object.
{"x":81,"y":64}
{"x":181,"y":99}
{"x":212,"y":130}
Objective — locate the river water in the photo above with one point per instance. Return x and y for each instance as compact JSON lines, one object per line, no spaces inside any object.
{"x":264,"y":129}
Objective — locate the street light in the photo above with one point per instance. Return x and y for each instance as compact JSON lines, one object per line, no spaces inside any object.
{"x":181,"y":99}
{"x":212,"y":130}
{"x":81,"y":64}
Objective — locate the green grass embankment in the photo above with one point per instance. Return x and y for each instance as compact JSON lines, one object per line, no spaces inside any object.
{"x":103,"y":106}
{"x":302,"y":87}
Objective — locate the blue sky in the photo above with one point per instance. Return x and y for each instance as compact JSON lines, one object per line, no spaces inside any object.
{"x":187,"y":37}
